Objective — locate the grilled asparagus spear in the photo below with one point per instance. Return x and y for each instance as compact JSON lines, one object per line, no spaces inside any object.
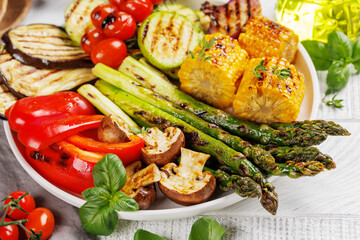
{"x":147,"y":115}
{"x":297,"y":169}
{"x":259,"y":156}
{"x":248,"y":130}
{"x":283,"y":154}
{"x":328,"y":127}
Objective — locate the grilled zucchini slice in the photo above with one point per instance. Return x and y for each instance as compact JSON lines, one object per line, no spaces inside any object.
{"x":182,"y":10}
{"x":23,"y":80}
{"x":165,"y":39}
{"x":78,"y":17}
{"x":45,"y":46}
{"x":6,"y":100}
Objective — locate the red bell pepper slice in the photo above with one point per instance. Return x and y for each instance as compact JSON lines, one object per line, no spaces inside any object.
{"x":127,"y":151}
{"x":30,"y":108}
{"x":40,"y":133}
{"x":79,"y":153}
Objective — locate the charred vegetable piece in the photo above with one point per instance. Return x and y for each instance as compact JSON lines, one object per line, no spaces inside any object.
{"x":187,"y":184}
{"x":45,"y":46}
{"x":262,"y":37}
{"x":230,"y":18}
{"x":23,"y":80}
{"x":78,"y":18}
{"x":182,"y":10}
{"x":113,"y":130}
{"x":140,"y":183}
{"x":162,"y":147}
{"x":215,"y":80}
{"x":165,"y":38}
{"x":6,"y":100}
{"x":271,"y":90}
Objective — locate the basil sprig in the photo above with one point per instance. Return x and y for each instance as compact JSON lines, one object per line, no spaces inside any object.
{"x":204,"y":228}
{"x":335,"y":56}
{"x":98,"y":215}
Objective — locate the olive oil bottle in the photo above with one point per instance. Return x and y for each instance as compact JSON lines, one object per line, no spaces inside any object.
{"x":315,"y":19}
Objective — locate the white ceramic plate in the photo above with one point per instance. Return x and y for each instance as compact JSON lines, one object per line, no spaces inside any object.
{"x":163,"y":208}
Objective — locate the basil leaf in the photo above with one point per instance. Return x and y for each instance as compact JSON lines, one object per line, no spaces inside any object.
{"x":338,"y":76}
{"x":122,"y":202}
{"x":356,"y":54}
{"x":97,"y":194}
{"x":206,"y":228}
{"x":98,"y":219}
{"x":109,"y":173}
{"x":318,"y":54}
{"x":142,"y":234}
{"x":339,"y":45}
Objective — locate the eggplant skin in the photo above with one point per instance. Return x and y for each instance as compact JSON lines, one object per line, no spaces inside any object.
{"x":42,"y":63}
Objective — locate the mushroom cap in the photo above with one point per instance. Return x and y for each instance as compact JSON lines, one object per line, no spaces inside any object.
{"x":113,"y":130}
{"x":162,"y":148}
{"x":145,"y":196}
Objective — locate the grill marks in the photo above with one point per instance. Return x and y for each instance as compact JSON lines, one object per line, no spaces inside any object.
{"x":230,"y":18}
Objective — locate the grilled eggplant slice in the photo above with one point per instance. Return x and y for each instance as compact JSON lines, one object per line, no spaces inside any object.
{"x":23,"y":80}
{"x":77,"y":17}
{"x":45,"y":46}
{"x":6,"y":100}
{"x":230,"y":18}
{"x":165,"y":38}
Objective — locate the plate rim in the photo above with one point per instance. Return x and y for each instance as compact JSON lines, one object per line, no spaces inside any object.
{"x":160,"y":214}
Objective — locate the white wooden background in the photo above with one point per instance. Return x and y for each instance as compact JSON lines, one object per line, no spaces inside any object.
{"x":324,"y":207}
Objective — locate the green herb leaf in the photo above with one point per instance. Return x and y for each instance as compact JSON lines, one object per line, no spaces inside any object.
{"x":260,"y":68}
{"x":319,"y":54}
{"x":206,"y":228}
{"x":122,"y":202}
{"x":97,"y":194}
{"x":191,"y":53}
{"x":334,"y":102}
{"x":339,"y":45}
{"x":98,"y":219}
{"x":109,"y":173}
{"x":338,"y":76}
{"x":207,"y":58}
{"x":143,"y":234}
{"x":283,"y":73}
{"x":356,"y":54}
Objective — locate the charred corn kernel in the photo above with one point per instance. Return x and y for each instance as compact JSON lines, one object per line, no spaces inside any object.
{"x":269,"y":98}
{"x":262,"y":37}
{"x":214,"y":81}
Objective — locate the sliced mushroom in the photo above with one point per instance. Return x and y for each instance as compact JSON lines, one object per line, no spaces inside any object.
{"x":113,"y":130}
{"x":187,"y":184}
{"x":162,"y":147}
{"x":140,"y":183}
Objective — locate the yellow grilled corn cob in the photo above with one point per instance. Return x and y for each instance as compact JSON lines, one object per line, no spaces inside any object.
{"x":271,"y":93}
{"x":262,"y":37}
{"x":214,"y":81}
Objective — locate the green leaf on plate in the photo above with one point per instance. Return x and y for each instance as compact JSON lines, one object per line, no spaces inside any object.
{"x":338,"y":76}
{"x":98,"y":218}
{"x":109,"y":173}
{"x":97,"y":194}
{"x":318,"y":53}
{"x":207,"y":228}
{"x":122,"y":202}
{"x":145,"y":235}
{"x":339,"y":45}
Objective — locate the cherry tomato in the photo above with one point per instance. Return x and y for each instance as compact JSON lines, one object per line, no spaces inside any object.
{"x":91,"y":38}
{"x":119,"y":25}
{"x":10,"y":232}
{"x":116,"y":2}
{"x":110,"y":52}
{"x":101,"y":12}
{"x":41,"y":219}
{"x":139,"y":9}
{"x":27,"y":203}
{"x":156,"y":2}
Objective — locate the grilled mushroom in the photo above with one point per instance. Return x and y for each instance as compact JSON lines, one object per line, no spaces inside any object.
{"x":140,"y":183}
{"x":162,"y":148}
{"x":113,"y":130}
{"x":187,"y":184}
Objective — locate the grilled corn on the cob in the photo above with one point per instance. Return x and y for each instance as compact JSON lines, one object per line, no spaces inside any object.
{"x":271,"y":93}
{"x":214,"y":81}
{"x":262,"y":37}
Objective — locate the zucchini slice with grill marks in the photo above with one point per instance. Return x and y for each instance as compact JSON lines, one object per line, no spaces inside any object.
{"x":23,"y":80}
{"x":45,"y":46}
{"x":78,"y":17}
{"x":182,"y":10}
{"x":165,"y":39}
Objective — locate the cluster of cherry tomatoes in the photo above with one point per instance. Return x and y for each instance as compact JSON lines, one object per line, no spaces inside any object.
{"x":38,"y":219}
{"x":114,"y":23}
